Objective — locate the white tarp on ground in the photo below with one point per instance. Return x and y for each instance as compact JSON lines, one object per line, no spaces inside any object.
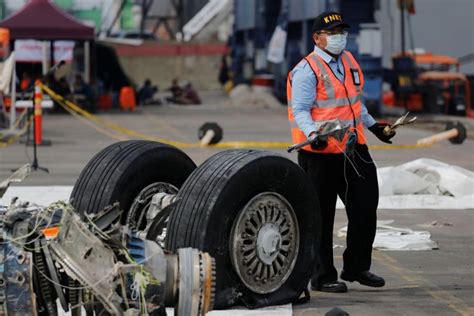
{"x":426,"y":176}
{"x":393,"y":238}
{"x":282,"y":310}
{"x":39,"y":195}
{"x":425,"y":184}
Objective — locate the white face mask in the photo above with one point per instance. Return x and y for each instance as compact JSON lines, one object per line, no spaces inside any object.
{"x":336,"y":43}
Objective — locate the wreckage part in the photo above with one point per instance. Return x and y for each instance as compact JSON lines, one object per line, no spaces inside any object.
{"x":208,"y":267}
{"x":150,"y":277}
{"x":264,"y":242}
{"x":106,"y":217}
{"x":136,"y":249}
{"x":43,"y":288}
{"x":195,"y":283}
{"x":18,"y":279}
{"x":154,"y":261}
{"x":18,"y":176}
{"x":53,"y":273}
{"x":159,"y":202}
{"x":209,"y":204}
{"x":148,"y":204}
{"x":155,"y":264}
{"x":172,"y":275}
{"x":157,"y":229}
{"x":121,"y":171}
{"x":88,"y":302}
{"x":87,"y":260}
{"x":74,"y":296}
{"x":189,"y":299}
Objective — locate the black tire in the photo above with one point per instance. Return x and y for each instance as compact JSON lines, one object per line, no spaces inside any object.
{"x":208,"y":204}
{"x":461,"y":132}
{"x":119,"y":172}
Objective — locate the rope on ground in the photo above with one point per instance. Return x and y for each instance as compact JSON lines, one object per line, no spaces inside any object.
{"x":91,"y":124}
{"x":123,"y":133}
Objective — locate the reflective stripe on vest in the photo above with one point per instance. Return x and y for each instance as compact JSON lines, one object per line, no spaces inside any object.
{"x":353,"y":66}
{"x":318,"y":124}
{"x":334,"y":100}
{"x":325,"y":76}
{"x":332,"y":103}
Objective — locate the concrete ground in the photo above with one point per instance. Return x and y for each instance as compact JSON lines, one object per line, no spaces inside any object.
{"x":438,"y":282}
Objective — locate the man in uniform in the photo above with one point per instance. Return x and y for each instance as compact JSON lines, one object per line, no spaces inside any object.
{"x":326,"y":86}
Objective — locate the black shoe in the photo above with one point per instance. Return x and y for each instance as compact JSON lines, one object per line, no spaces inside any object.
{"x":331,"y":287}
{"x":364,"y":278}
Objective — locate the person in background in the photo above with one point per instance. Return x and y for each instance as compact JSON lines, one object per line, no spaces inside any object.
{"x":83,"y":94}
{"x":183,"y":94}
{"x":63,"y":88}
{"x":53,"y":84}
{"x":223,"y":71}
{"x":190,"y":95}
{"x":147,"y":92}
{"x":176,"y":92}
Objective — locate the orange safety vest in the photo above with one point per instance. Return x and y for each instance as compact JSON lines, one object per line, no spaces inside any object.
{"x":334,"y":100}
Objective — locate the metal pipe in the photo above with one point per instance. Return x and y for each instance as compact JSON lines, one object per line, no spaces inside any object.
{"x":428,"y":141}
{"x":44,"y":63}
{"x":206,"y":139}
{"x":13,"y":96}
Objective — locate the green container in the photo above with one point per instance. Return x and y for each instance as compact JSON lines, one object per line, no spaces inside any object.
{"x":94,"y":15}
{"x":127,"y":22}
{"x":65,"y":4}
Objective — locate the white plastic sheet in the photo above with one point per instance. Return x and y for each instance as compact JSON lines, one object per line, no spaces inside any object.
{"x":39,"y":195}
{"x":393,"y":238}
{"x":281,"y":310}
{"x":426,"y":176}
{"x":425,"y":184}
{"x":276,"y":47}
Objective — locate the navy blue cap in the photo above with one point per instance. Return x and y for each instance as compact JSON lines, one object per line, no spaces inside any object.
{"x":327,"y":21}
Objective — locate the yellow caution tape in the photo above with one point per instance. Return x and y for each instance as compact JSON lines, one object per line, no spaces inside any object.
{"x":252,"y":144}
{"x":80,"y":113}
{"x":389,"y":147}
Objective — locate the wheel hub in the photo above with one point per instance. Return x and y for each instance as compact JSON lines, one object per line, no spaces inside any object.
{"x":268,"y":243}
{"x":137,"y":215}
{"x":264,"y":242}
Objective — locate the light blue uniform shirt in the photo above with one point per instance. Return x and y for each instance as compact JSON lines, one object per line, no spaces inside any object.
{"x":304,"y":93}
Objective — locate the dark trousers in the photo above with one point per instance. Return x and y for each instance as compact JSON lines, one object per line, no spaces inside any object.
{"x":333,"y":175}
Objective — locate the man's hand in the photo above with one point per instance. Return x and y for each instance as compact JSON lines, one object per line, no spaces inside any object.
{"x":377,"y":129}
{"x":319,"y":144}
